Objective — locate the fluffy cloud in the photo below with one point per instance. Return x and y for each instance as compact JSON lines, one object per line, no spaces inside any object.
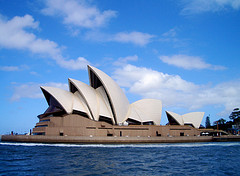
{"x":175,"y":91}
{"x":16,"y":36}
{"x":78,"y":13}
{"x":32,"y":90}
{"x":188,"y":62}
{"x":199,"y":6}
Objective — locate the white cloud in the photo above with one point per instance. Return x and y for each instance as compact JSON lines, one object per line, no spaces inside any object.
{"x":189,"y":62}
{"x":136,"y":38}
{"x":175,"y":91}
{"x":16,"y":36}
{"x":78,"y":13}
{"x":200,"y":6}
{"x":170,"y":33}
{"x":125,"y":60}
{"x":13,"y":68}
{"x":32,"y":90}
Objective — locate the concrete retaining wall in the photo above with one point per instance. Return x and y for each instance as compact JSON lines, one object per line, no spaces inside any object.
{"x":104,"y":140}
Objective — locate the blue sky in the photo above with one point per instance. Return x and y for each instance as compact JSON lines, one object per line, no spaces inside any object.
{"x":185,"y":53}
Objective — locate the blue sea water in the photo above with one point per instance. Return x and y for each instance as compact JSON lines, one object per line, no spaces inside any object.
{"x":137,"y":159}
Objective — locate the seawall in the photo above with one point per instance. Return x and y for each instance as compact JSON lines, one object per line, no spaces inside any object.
{"x":115,"y":140}
{"x":104,"y":140}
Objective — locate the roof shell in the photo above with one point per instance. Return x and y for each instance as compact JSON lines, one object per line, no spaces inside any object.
{"x":89,"y":95}
{"x":146,"y":110}
{"x":118,"y":100}
{"x":177,"y":117}
{"x":64,"y":98}
{"x":104,"y":106}
{"x":193,"y":117}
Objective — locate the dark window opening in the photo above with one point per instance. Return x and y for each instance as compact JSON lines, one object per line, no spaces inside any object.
{"x":95,"y":82}
{"x":157,"y":134}
{"x":80,"y":113}
{"x":61,"y":134}
{"x":44,"y":120}
{"x":54,"y":109}
{"x":73,"y":89}
{"x":120,"y":133}
{"x":109,"y":134}
{"x":43,"y":133}
{"x":181,"y":134}
{"x":171,"y":120}
{"x":148,"y":123}
{"x":133,"y":122}
{"x":106,"y":119}
{"x":189,"y":124}
{"x":41,"y":126}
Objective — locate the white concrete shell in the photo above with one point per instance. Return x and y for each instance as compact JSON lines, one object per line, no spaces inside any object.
{"x":64,"y":98}
{"x":104,"y":106}
{"x":178,"y":118}
{"x":193,"y":118}
{"x":118,"y":100}
{"x":146,"y":110}
{"x":80,"y":105}
{"x":89,"y":97}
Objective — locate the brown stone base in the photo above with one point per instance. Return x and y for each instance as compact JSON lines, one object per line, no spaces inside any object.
{"x":104,"y":140}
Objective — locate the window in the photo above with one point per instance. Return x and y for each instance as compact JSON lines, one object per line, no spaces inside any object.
{"x":157,"y":134}
{"x":61,"y":133}
{"x":181,"y":134}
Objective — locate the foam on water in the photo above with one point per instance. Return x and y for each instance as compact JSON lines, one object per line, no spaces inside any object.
{"x":125,"y":145}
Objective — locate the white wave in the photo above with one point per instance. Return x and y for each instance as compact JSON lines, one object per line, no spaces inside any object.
{"x":126,"y":145}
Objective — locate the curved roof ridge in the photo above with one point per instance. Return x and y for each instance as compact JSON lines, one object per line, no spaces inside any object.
{"x":149,"y":110}
{"x":177,"y":117}
{"x":193,"y":117}
{"x":63,"y":97}
{"x":89,"y":95}
{"x":118,"y":100}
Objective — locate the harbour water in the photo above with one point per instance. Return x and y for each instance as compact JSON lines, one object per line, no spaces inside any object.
{"x":137,"y":159}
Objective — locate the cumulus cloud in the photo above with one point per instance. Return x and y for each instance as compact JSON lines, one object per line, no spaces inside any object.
{"x":175,"y":91}
{"x":78,"y":13}
{"x":189,"y":62}
{"x":200,"y":6}
{"x":136,"y":38}
{"x":16,"y":36}
{"x":32,"y":90}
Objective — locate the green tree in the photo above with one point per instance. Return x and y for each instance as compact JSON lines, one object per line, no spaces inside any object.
{"x":235,"y":114}
{"x":207,"y":122}
{"x":220,"y":122}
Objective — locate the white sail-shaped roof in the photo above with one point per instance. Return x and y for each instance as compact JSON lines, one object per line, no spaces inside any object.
{"x":64,"y":98}
{"x":118,"y":100}
{"x":89,"y":95}
{"x":79,"y":104}
{"x":178,"y":118}
{"x":193,"y":118}
{"x":104,"y":106}
{"x":146,"y":110}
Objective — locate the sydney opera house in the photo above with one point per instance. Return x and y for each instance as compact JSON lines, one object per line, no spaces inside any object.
{"x":102,"y":109}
